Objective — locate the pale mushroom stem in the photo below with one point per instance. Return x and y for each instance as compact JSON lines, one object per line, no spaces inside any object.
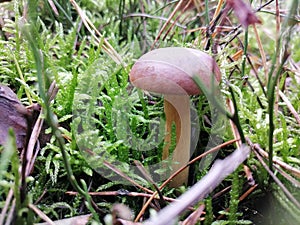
{"x":177,"y":110}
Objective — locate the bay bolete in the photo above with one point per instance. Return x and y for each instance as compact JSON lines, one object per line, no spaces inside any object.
{"x":169,"y":71}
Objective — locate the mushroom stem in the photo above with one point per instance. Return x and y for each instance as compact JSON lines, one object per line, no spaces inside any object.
{"x":177,"y":110}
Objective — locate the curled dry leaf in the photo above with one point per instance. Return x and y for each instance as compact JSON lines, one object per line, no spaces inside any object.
{"x":12,"y":114}
{"x":243,"y":12}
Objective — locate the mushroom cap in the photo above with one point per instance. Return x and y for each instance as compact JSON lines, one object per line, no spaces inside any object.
{"x":170,"y":71}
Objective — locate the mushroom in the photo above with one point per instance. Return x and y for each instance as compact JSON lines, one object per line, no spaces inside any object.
{"x":169,"y":71}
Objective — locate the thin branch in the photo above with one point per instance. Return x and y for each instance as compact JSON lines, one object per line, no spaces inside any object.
{"x":41,"y":214}
{"x":290,"y":106}
{"x":262,"y":52}
{"x":167,"y":23}
{"x":121,"y":174}
{"x":218,"y":172}
{"x":6,"y":205}
{"x":142,"y":211}
{"x":293,"y":170}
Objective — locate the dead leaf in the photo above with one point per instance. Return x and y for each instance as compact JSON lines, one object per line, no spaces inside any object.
{"x":12,"y":114}
{"x":243,"y":12}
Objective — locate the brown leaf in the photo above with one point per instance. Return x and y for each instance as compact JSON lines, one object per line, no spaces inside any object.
{"x":243,"y":12}
{"x":12,"y":114}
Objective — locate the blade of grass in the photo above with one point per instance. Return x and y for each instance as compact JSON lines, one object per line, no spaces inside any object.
{"x":273,"y":78}
{"x":211,"y":96}
{"x":27,"y":31}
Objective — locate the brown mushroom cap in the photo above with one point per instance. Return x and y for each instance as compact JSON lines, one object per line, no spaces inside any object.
{"x":170,"y":70}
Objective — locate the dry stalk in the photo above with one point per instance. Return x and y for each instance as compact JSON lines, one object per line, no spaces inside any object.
{"x":142,"y":211}
{"x":241,"y":198}
{"x":167,"y":22}
{"x":6,"y":206}
{"x":194,"y":217}
{"x":284,"y":165}
{"x":93,"y":30}
{"x":41,"y":214}
{"x":262,"y":52}
{"x":218,"y":172}
{"x":288,"y":194}
{"x":290,"y":106}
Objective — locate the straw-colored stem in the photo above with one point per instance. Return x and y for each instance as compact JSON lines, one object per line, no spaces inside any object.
{"x":177,"y":111}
